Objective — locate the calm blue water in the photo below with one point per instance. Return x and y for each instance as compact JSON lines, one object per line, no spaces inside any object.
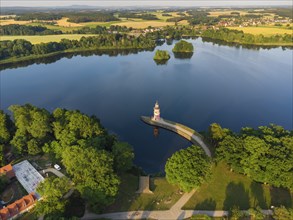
{"x":235,"y":87}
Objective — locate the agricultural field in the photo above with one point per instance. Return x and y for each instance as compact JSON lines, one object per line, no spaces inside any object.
{"x":266,"y":30}
{"x":65,"y":23}
{"x":11,"y":21}
{"x":225,"y":12}
{"x":226,"y":189}
{"x":35,"y":39}
{"x":65,"y":26}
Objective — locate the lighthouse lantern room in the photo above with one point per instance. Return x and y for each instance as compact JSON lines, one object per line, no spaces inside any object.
{"x":156,"y":116}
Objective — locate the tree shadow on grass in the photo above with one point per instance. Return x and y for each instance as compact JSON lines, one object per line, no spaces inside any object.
{"x":281,"y":196}
{"x":236,"y":195}
{"x":258,"y":194}
{"x":208,"y":204}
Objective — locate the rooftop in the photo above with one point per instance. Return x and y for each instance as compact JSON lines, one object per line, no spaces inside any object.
{"x":28,"y":176}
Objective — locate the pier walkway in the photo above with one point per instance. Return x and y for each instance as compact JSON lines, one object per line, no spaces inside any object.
{"x":186,"y":132}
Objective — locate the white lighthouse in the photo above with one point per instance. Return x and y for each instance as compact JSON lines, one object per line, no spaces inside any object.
{"x":156,"y":116}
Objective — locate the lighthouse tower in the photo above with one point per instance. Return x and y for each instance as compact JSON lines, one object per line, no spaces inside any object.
{"x":156,"y":116}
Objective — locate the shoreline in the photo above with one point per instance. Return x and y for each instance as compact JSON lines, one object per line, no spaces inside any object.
{"x":15,"y":60}
{"x":64,"y":52}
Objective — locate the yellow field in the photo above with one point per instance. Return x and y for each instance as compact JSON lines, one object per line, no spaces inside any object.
{"x":11,"y":21}
{"x":228,"y":12}
{"x":64,"y":23}
{"x":266,"y":31}
{"x":45,"y":38}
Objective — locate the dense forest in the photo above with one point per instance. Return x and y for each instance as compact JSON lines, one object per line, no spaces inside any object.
{"x":161,"y":55}
{"x":264,"y":154}
{"x":16,"y":29}
{"x":144,"y":16}
{"x":102,"y":30}
{"x":21,"y":48}
{"x":236,"y":36}
{"x":38,"y":16}
{"x":76,"y":17}
{"x":90,"y":16}
{"x":183,"y":47}
{"x":76,"y":139}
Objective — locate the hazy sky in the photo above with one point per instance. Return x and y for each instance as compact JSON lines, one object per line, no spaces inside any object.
{"x":37,"y":3}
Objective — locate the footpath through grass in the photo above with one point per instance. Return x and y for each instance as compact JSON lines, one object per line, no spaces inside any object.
{"x":226,"y":189}
{"x":163,"y":197}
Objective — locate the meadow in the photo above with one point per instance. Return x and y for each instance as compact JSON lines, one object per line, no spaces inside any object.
{"x":226,"y":189}
{"x":36,"y":39}
{"x":265,"y":30}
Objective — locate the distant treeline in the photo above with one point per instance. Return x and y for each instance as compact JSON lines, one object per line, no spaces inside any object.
{"x":38,"y":16}
{"x":16,"y":29}
{"x":137,"y":15}
{"x":282,"y":12}
{"x":102,"y":29}
{"x":90,"y":16}
{"x":21,"y":48}
{"x":76,"y":17}
{"x":236,"y":36}
{"x":200,"y":17}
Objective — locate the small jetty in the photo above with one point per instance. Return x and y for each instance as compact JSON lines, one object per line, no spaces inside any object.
{"x":144,"y":185}
{"x":186,"y":132}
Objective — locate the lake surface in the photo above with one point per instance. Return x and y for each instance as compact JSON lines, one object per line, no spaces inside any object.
{"x":233,"y":86}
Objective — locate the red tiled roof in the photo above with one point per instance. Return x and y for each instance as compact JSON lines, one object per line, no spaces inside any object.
{"x":8,"y":171}
{"x":17,"y":207}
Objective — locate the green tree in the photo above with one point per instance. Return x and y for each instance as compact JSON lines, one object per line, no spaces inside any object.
{"x":217,"y":133}
{"x":52,"y":190}
{"x":235,"y":213}
{"x":3,"y":182}
{"x":33,"y":128}
{"x":92,"y":172}
{"x":123,"y":156}
{"x":5,"y":128}
{"x":183,"y":47}
{"x":161,"y":55}
{"x":281,"y":213}
{"x":231,"y":150}
{"x":188,"y":168}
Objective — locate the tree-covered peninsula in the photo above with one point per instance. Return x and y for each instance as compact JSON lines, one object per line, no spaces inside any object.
{"x":183,"y":47}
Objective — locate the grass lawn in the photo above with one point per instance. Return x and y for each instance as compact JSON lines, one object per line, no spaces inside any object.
{"x":165,"y":195}
{"x":45,"y":38}
{"x":266,"y":31}
{"x":226,"y":189}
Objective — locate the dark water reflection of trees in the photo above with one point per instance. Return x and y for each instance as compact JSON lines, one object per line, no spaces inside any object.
{"x":56,"y":57}
{"x":246,"y":46}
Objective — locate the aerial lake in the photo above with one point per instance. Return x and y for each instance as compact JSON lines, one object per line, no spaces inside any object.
{"x":233,"y":86}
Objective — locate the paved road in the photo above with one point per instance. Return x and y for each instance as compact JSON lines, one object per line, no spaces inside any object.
{"x":52,"y":170}
{"x":160,"y":215}
{"x":192,"y":135}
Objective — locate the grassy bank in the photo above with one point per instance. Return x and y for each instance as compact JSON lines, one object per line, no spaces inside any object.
{"x":163,"y":197}
{"x":226,"y":189}
{"x":78,"y":50}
